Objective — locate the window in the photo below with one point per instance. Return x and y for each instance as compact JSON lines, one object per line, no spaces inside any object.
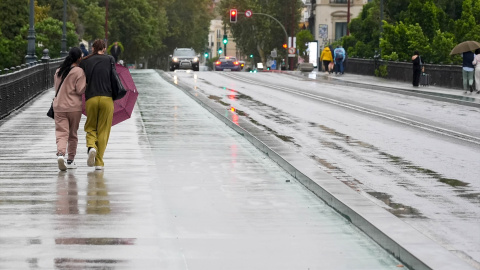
{"x":339,"y":1}
{"x":340,"y":30}
{"x":218,"y":33}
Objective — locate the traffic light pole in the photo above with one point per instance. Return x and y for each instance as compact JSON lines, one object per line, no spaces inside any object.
{"x":270,"y":16}
{"x":225,"y":34}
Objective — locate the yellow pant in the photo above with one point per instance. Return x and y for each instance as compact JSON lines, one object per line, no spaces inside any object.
{"x":99,"y":122}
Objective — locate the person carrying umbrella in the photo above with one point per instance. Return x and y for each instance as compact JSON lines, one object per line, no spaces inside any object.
{"x":99,"y":103}
{"x":69,"y":81}
{"x":466,"y":48}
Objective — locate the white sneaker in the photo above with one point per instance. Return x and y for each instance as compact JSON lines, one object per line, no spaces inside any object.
{"x":71,"y":164}
{"x":92,"y":153}
{"x":62,"y":166}
{"x":98,"y":167}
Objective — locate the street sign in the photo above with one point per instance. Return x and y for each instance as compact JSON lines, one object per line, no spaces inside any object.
{"x":291,"y":50}
{"x":291,"y":55}
{"x":248,"y":13}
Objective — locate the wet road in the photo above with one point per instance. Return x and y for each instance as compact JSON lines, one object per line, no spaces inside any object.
{"x":416,"y":157}
{"x":180,"y":191}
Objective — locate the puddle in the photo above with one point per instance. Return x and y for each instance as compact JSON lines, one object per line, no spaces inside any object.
{"x":218,"y":100}
{"x":397,"y":209}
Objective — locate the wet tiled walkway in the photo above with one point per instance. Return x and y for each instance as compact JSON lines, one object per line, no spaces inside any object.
{"x":180,"y":190}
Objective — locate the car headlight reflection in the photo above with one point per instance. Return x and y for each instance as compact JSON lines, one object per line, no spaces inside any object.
{"x":175,"y":59}
{"x":195,"y":59}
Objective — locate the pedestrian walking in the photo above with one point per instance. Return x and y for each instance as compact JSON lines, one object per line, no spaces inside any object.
{"x":115,"y":51}
{"x":69,"y":81}
{"x":84,"y":50}
{"x":98,"y":103}
{"x":468,"y":71}
{"x":476,"y":62}
{"x":339,"y":56}
{"x":326,"y":58}
{"x":417,"y":68}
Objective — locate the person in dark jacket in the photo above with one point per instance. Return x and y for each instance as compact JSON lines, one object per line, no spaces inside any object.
{"x":116,"y":51}
{"x":468,"y":71}
{"x":83,"y":49}
{"x":417,"y":68}
{"x":99,"y":103}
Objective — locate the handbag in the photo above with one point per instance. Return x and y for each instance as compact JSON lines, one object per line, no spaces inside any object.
{"x":50,"y":112}
{"x":118,"y":90}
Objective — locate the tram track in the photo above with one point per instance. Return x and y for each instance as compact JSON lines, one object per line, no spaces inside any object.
{"x":376,"y":113}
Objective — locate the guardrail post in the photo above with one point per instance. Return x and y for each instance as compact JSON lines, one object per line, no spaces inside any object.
{"x":45,"y":61}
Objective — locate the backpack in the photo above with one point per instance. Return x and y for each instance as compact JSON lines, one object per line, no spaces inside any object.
{"x":339,"y":53}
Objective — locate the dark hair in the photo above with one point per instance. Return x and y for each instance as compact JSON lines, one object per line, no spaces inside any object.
{"x":73,"y":55}
{"x":416,"y":53}
{"x":97,"y":46}
{"x":477,"y":51}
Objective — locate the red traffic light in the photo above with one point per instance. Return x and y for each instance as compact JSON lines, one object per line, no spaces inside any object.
{"x":233,"y":15}
{"x":284,"y":45}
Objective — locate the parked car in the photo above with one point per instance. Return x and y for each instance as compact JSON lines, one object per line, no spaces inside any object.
{"x":184,"y":58}
{"x":227,"y":63}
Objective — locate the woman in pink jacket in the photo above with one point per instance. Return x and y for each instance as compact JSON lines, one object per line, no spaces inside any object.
{"x":68,"y":107}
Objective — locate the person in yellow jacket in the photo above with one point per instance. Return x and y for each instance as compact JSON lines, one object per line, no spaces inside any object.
{"x":326,"y":58}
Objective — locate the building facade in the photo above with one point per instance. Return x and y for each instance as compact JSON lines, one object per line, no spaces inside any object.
{"x":215,"y":36}
{"x":331,"y":18}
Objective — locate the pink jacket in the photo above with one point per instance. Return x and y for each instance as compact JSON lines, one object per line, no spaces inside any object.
{"x":69,"y":98}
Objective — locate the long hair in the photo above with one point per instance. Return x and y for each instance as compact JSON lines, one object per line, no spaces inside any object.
{"x":73,"y":55}
{"x":98,"y":45}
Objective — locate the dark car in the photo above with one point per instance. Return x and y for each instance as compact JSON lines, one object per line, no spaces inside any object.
{"x":227,"y":63}
{"x":184,"y":58}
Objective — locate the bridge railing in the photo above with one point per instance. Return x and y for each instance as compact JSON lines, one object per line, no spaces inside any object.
{"x":20,"y":84}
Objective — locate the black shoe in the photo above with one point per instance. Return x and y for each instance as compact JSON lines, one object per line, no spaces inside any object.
{"x":471,"y":88}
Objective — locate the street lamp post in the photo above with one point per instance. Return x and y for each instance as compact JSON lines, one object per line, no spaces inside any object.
{"x":31,"y":57}
{"x":106,"y":22}
{"x":63,"y":52}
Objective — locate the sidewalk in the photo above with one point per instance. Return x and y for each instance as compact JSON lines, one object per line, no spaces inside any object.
{"x":180,"y":190}
{"x":443,"y":93}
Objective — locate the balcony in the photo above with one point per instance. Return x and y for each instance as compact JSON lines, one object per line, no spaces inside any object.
{"x":341,"y":1}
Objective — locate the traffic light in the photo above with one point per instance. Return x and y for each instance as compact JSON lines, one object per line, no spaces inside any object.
{"x":284,"y":45}
{"x":206,"y":55}
{"x":251,"y":55}
{"x":225,"y":39}
{"x":220,"y":51}
{"x":233,"y":15}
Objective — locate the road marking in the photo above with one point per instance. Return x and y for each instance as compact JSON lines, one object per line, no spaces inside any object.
{"x":399,"y":119}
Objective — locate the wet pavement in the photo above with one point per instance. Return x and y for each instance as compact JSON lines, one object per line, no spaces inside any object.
{"x":371,"y":82}
{"x":180,"y":190}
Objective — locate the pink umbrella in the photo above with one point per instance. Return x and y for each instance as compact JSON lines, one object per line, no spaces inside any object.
{"x":123,"y":107}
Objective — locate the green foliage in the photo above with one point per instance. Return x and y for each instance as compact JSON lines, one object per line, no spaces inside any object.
{"x":433,"y":27}
{"x":303,"y":37}
{"x":261,"y":34}
{"x":14,"y":15}
{"x":382,"y":71}
{"x":49,"y":33}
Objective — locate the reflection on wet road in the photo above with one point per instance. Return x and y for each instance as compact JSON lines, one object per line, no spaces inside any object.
{"x":428,"y":180}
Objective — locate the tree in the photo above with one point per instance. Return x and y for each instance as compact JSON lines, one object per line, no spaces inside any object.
{"x":49,"y":33}
{"x":303,"y":37}
{"x":261,"y":34}
{"x":14,"y":14}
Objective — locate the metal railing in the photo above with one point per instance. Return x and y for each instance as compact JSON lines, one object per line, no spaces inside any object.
{"x":20,"y":84}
